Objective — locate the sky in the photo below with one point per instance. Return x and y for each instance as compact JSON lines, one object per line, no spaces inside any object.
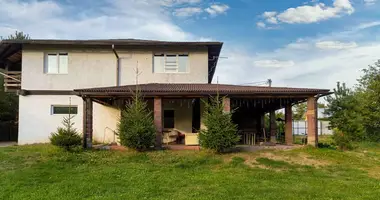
{"x":296,"y":43}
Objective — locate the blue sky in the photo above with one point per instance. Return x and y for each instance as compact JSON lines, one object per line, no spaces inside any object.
{"x":297,"y":43}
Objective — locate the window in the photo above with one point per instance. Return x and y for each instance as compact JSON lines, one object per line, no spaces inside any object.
{"x":56,"y":63}
{"x":168,"y":118}
{"x":170,"y":63}
{"x":63,"y":110}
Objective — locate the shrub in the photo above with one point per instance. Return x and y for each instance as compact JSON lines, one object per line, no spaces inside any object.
{"x":136,"y":128}
{"x":220,"y":133}
{"x":342,"y":140}
{"x":66,"y":137}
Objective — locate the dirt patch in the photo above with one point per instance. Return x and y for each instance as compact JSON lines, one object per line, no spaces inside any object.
{"x":250,"y":159}
{"x":300,"y":159}
{"x":374,"y":172}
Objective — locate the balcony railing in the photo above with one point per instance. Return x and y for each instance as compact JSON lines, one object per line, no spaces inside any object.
{"x":12,"y":81}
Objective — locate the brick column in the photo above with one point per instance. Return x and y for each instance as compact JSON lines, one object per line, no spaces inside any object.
{"x":87,"y":123}
{"x":273,"y":126}
{"x":226,"y":104}
{"x":158,"y":121}
{"x":312,"y":122}
{"x":288,"y":125}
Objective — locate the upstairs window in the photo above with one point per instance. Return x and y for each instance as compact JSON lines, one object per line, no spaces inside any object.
{"x":170,"y":63}
{"x":56,"y":63}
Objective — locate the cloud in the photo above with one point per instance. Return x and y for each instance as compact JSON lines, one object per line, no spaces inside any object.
{"x":273,"y":63}
{"x":337,"y":45}
{"x":177,"y":2}
{"x":217,"y":9}
{"x":367,"y":25}
{"x":307,"y":14}
{"x":115,"y":19}
{"x":187,"y":11}
{"x":369,"y":2}
{"x":303,"y":63}
{"x":260,"y":25}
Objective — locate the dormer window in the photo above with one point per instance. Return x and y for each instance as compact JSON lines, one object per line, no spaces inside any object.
{"x":170,"y":63}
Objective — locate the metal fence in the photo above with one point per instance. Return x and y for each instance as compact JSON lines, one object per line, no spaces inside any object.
{"x":300,"y":128}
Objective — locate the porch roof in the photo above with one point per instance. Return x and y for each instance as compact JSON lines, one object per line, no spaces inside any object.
{"x":159,"y":89}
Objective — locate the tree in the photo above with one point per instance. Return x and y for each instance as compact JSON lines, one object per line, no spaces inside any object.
{"x":345,"y":112}
{"x":18,"y":36}
{"x":368,"y":94}
{"x":136,"y":128}
{"x":299,"y":111}
{"x":9,"y":101}
{"x":66,"y":137}
{"x":220,"y":133}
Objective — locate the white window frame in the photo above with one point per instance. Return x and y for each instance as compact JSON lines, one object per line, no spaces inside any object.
{"x":177,"y":63}
{"x":46,"y":63}
{"x":55,"y":106}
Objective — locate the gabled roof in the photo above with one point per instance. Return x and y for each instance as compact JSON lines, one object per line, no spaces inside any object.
{"x":10,"y":47}
{"x":156,"y":89}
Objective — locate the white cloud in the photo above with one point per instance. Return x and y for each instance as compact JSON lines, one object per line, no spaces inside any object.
{"x":177,"y":2}
{"x":260,"y":25}
{"x":312,"y":67}
{"x":299,"y":44}
{"x":187,"y":11}
{"x":369,"y":2}
{"x":120,"y":19}
{"x":269,"y":14}
{"x":273,"y":63}
{"x":367,"y":25}
{"x":217,"y":9}
{"x":310,"y":13}
{"x":335,"y":45}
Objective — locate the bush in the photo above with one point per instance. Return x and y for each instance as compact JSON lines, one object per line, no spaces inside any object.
{"x":221,"y":133}
{"x":67,"y":137}
{"x":342,"y":140}
{"x":136,"y":128}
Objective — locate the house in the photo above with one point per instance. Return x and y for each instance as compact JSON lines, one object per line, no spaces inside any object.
{"x":96,"y":78}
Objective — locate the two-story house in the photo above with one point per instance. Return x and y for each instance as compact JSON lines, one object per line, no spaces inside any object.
{"x":96,"y":78}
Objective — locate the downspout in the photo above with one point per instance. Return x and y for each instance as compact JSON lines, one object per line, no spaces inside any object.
{"x":117,"y":66}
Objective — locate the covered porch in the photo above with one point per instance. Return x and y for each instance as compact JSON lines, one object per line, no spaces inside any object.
{"x":178,"y":108}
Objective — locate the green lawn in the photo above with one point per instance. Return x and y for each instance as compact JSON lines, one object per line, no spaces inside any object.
{"x":45,"y":172}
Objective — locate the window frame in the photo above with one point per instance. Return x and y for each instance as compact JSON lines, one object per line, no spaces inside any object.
{"x":177,"y":55}
{"x":63,"y":106}
{"x":57,"y":54}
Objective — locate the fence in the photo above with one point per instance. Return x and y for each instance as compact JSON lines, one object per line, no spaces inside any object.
{"x":300,"y":128}
{"x":8,"y":132}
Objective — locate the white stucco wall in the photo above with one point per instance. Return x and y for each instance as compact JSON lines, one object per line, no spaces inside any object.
{"x":36,"y":122}
{"x":198,"y":69}
{"x":93,"y":68}
{"x":88,"y":69}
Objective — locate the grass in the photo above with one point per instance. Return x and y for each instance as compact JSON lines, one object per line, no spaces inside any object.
{"x":45,"y":172}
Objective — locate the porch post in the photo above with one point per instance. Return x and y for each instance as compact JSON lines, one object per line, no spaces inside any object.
{"x":226,"y":104}
{"x":288,"y":125}
{"x":273,"y":126}
{"x":158,"y":121}
{"x":312,"y":122}
{"x":87,"y":122}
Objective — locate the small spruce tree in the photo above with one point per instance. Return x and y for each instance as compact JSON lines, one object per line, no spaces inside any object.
{"x":66,"y":137}
{"x":220,"y":133}
{"x":136,"y":128}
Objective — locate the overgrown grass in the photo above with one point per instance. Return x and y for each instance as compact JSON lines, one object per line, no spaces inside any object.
{"x":46,"y":172}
